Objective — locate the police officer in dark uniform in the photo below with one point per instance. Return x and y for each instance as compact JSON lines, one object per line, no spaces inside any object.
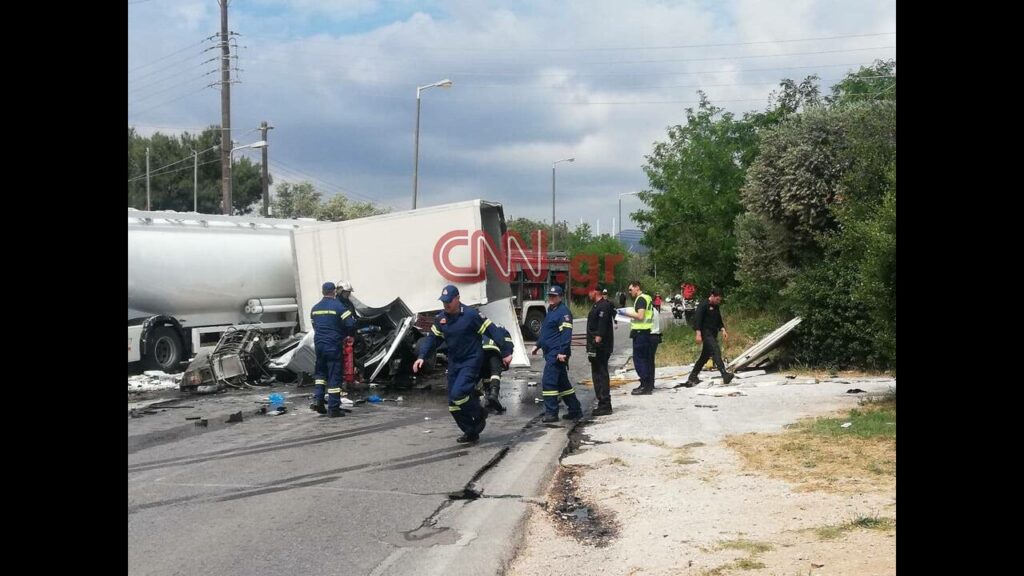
{"x":332,"y":323}
{"x":600,"y":341}
{"x":462,"y":327}
{"x":490,"y":371}
{"x":556,"y":340}
{"x":707,"y":322}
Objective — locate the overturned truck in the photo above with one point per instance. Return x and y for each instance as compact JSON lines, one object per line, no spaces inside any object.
{"x":246,"y":285}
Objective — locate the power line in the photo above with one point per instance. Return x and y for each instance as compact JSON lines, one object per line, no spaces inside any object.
{"x":612,"y":49}
{"x":640,"y":74}
{"x":156,"y":171}
{"x":746,"y":57}
{"x":650,"y":86}
{"x":158,"y":81}
{"x":171,"y":65}
{"x":311,"y":177}
{"x":166,"y":56}
{"x":276,"y":166}
{"x":175,"y":170}
{"x":169,"y":71}
{"x":612,"y":62}
{"x":153,"y":173}
{"x":162,"y":104}
{"x":709,"y":59}
{"x":180,"y":128}
{"x":873,"y":94}
{"x":179,"y":86}
{"x":631,"y":102}
{"x":301,"y":176}
{"x":341,"y":66}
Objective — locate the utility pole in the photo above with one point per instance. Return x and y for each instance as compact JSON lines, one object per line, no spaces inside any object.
{"x":195,"y":181}
{"x":265,"y":178}
{"x":148,"y":205}
{"x":225,"y":110}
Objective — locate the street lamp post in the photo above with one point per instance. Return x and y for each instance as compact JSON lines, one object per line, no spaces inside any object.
{"x":446,"y":83}
{"x":231,"y":159}
{"x":553,"y":198}
{"x":620,"y":208}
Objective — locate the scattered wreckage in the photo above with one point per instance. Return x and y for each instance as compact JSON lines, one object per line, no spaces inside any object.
{"x":384,"y":347}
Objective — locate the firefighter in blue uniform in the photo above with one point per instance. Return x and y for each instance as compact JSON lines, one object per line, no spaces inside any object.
{"x":556,"y":340}
{"x":332,"y":323}
{"x":490,"y":371}
{"x":461,"y":327}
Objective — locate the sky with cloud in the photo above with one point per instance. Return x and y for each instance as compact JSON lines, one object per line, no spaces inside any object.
{"x":533,"y":82}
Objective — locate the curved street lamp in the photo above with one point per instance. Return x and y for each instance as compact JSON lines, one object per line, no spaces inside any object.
{"x":553,"y":198}
{"x":446,"y":83}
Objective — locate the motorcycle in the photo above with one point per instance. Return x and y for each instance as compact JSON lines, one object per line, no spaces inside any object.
{"x":683,"y":309}
{"x":677,"y":309}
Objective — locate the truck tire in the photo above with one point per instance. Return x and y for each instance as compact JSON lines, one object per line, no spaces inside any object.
{"x":534,"y":321}
{"x":163,"y":350}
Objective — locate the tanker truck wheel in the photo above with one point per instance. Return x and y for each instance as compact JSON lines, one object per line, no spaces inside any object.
{"x":534,"y":321}
{"x":164,"y":350}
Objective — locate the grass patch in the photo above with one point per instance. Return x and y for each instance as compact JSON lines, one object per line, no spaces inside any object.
{"x":651,"y":441}
{"x":751,"y":546}
{"x":832,"y":532}
{"x":746,"y":327}
{"x":873,"y":523}
{"x":804,"y":369}
{"x":748,"y":564}
{"x":820,"y":454}
{"x":875,"y":418}
{"x":618,"y":461}
{"x":682,"y":456}
{"x":580,"y":309}
{"x":829,"y":532}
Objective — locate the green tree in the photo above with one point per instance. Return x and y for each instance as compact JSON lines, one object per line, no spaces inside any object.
{"x":695,"y":178}
{"x":172,"y":172}
{"x":791,"y":98}
{"x":870,"y":83}
{"x":296,"y":200}
{"x":600,"y":260}
{"x":848,"y":297}
{"x":527,"y":229}
{"x":338,"y":208}
{"x":809,"y":166}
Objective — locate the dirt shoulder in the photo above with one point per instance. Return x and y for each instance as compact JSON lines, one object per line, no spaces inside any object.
{"x":682,"y":482}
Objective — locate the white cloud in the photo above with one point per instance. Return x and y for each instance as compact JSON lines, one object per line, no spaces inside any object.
{"x":334,"y":9}
{"x":533,"y":83}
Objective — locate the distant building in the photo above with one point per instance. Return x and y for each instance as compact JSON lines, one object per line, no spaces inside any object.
{"x":631,"y":238}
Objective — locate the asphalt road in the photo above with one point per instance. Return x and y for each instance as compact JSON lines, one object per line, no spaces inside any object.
{"x":380,"y":491}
